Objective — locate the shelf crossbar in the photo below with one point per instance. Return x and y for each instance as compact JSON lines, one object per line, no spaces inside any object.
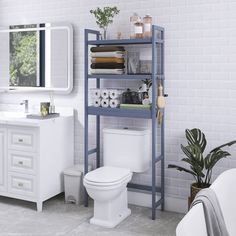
{"x":159,"y":158}
{"x":143,"y":187}
{"x":92,"y":151}
{"x":120,"y":112}
{"x":124,"y":41}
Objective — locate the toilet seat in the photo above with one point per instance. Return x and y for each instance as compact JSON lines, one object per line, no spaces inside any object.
{"x":107,"y":176}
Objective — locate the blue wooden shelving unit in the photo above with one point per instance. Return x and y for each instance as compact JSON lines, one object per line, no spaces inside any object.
{"x":157,"y":40}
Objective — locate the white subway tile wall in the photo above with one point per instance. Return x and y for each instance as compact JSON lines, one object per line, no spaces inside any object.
{"x":200,"y":67}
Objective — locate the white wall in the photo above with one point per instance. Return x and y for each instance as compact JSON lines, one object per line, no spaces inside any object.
{"x":200,"y":70}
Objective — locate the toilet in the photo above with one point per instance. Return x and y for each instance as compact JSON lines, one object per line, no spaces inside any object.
{"x":125,"y":151}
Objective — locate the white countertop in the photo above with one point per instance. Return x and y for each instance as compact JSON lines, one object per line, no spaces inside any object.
{"x":7,"y":118}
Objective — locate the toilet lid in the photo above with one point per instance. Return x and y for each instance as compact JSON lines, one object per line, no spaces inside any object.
{"x":107,"y":174}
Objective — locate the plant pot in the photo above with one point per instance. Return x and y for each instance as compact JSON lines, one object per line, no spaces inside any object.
{"x":194,"y":191}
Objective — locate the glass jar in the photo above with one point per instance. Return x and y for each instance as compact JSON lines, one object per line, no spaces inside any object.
{"x":138,"y":29}
{"x":147,"y":26}
{"x":133,"y":20}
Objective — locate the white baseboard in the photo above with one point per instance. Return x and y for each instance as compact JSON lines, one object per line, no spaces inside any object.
{"x":171,"y":204}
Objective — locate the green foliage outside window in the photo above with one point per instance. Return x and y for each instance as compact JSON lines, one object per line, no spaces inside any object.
{"x":23,"y":58}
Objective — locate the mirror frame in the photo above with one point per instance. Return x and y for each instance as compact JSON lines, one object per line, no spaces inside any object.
{"x":68,"y":89}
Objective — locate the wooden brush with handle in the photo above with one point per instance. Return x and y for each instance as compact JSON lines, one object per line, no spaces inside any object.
{"x":160,"y":97}
{"x":160,"y":103}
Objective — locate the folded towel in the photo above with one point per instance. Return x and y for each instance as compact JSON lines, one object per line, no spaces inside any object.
{"x":107,"y":66}
{"x":107,"y":71}
{"x":107,"y":60}
{"x":215,"y":223}
{"x":117,"y":54}
{"x":107,"y":49}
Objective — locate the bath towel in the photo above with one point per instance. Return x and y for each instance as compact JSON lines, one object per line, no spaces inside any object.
{"x":107,"y":66}
{"x":215,"y":223}
{"x":107,"y":60}
{"x":117,"y":54}
{"x":107,"y":49}
{"x":108,"y":71}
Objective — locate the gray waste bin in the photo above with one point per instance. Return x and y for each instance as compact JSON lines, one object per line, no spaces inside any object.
{"x":73,"y":181}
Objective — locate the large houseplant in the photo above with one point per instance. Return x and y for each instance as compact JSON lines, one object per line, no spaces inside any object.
{"x":200,"y":166}
{"x":104,"y":17}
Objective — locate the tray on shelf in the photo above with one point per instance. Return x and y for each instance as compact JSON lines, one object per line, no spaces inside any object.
{"x":40,"y":117}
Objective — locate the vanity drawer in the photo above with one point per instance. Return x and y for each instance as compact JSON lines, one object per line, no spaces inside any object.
{"x":22,"y":184}
{"x":22,"y":139}
{"x":23,"y":162}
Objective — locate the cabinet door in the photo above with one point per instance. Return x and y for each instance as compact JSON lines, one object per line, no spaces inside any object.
{"x":3,"y":159}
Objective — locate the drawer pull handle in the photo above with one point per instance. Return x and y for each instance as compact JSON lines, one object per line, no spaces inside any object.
{"x":20,"y":140}
{"x":20,"y":184}
{"x":20,"y":162}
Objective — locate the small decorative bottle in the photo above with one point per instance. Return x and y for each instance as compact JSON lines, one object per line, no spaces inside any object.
{"x":133,"y":20}
{"x":147,"y":26}
{"x":138,"y":29}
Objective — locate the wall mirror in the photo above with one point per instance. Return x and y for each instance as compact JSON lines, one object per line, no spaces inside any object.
{"x":36,"y":57}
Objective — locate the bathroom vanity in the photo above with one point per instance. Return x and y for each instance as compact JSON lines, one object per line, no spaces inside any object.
{"x":33,"y":155}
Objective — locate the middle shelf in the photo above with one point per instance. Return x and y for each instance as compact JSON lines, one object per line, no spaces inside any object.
{"x":119,"y":112}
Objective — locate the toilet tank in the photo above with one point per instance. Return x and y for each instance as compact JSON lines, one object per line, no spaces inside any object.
{"x":127,"y":148}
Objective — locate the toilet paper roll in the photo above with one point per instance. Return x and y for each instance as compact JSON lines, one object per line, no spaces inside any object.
{"x":114,"y":103}
{"x":96,"y":102}
{"x":114,"y":93}
{"x":95,"y":93}
{"x":105,"y":93}
{"x":105,"y":102}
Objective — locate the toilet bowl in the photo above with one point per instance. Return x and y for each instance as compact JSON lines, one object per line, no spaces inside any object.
{"x":108,"y":187}
{"x":124,"y":151}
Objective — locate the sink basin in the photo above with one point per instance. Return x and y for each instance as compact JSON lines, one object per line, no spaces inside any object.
{"x":12,"y":115}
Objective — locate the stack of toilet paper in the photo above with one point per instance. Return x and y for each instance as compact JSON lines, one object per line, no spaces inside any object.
{"x":106,"y":97}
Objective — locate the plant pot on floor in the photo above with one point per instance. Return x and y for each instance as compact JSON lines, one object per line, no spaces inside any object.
{"x":194,"y":191}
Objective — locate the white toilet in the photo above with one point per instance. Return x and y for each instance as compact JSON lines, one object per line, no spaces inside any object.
{"x":125,"y":151}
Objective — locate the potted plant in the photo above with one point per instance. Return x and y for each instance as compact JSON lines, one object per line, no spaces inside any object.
{"x":104,"y":17}
{"x":200,"y":166}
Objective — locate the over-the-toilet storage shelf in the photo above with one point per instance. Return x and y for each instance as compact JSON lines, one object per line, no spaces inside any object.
{"x":156,"y":41}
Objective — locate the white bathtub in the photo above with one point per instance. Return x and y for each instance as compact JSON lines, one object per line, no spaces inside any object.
{"x":193,"y":223}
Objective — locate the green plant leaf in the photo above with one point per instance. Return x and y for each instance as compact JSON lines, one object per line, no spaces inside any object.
{"x":181,"y":169}
{"x":193,"y":152}
{"x":196,"y":137}
{"x":223,"y":145}
{"x":213,"y":157}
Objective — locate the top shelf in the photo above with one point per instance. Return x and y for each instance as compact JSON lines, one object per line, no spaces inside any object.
{"x":124,"y":41}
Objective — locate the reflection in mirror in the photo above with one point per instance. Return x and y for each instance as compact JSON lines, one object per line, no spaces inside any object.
{"x":36,"y":55}
{"x":26,"y":50}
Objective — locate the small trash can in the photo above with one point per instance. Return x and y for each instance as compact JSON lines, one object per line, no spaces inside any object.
{"x":73,"y":182}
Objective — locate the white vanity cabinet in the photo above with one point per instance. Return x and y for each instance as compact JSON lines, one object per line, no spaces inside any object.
{"x":33,"y":155}
{"x":2,"y":159}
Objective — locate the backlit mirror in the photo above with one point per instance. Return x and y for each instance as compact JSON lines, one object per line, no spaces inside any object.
{"x":36,"y":57}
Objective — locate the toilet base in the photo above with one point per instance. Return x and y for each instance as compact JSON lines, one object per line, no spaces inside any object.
{"x":111,"y":223}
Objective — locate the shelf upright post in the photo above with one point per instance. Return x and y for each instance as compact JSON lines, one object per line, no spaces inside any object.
{"x":98,"y":124}
{"x":163,"y":124}
{"x":86,"y":32}
{"x":154,"y":94}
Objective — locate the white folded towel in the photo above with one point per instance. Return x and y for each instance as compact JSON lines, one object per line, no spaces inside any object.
{"x":107,"y":71}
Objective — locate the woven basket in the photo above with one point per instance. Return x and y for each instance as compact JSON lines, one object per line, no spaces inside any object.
{"x":194,"y":191}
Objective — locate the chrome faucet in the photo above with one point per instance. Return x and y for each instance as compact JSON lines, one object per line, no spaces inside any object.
{"x":26,"y":103}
